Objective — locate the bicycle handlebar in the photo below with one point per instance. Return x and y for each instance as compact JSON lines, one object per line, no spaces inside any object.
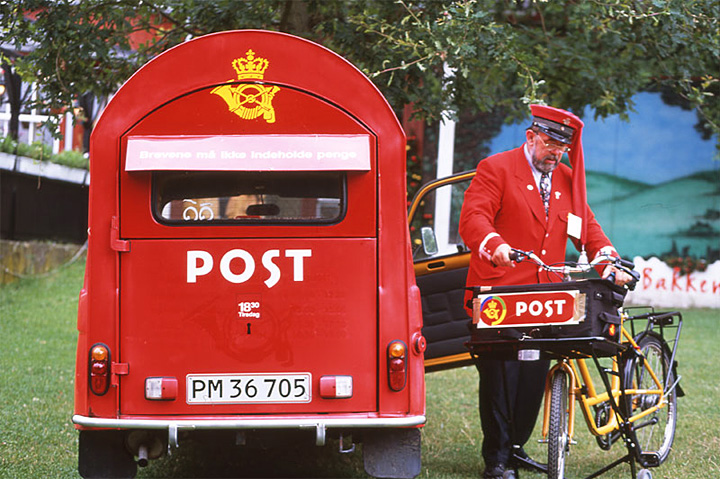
{"x":567,"y":268}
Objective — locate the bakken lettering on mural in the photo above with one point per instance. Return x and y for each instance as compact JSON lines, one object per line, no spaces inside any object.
{"x":664,"y":286}
{"x":687,"y":283}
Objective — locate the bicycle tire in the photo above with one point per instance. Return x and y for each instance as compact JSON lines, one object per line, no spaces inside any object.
{"x":644,"y":474}
{"x":656,"y":432}
{"x":558,"y":440}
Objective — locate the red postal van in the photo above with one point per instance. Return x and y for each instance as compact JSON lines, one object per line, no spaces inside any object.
{"x":249,"y":262}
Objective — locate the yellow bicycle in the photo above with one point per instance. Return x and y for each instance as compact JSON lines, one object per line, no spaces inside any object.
{"x":633,"y":354}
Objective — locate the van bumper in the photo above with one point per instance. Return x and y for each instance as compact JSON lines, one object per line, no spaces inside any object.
{"x":319,"y":424}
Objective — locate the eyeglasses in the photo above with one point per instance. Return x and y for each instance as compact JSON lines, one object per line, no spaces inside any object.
{"x":553,"y":145}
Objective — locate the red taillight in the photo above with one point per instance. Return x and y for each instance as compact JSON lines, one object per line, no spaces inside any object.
{"x":99,"y":366}
{"x":397,"y":365}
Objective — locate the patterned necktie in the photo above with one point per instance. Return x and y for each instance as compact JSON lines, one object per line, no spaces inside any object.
{"x":545,"y":191}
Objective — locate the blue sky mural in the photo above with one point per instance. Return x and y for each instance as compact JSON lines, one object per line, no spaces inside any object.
{"x":657,"y":145}
{"x":671,"y":203}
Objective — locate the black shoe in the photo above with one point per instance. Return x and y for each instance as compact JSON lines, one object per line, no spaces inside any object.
{"x":494,"y":472}
{"x":520,"y":459}
{"x":500,"y":471}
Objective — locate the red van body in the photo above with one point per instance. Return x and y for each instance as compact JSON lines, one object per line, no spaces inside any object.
{"x":248,"y":263}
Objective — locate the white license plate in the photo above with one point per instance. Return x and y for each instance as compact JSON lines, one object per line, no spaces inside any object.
{"x":249,"y":388}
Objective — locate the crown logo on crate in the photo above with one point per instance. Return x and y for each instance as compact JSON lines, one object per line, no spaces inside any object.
{"x":493,"y":310}
{"x":249,"y":67}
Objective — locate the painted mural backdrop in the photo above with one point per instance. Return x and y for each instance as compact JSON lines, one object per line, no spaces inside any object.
{"x":654,"y":185}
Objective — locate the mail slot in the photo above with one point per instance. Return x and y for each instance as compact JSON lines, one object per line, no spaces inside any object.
{"x":249,"y":263}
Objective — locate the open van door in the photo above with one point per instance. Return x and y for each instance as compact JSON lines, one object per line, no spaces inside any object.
{"x":441,"y":264}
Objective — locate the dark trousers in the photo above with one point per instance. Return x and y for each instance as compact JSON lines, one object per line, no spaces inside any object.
{"x":511,"y":393}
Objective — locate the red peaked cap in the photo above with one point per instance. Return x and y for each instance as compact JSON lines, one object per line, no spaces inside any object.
{"x":577,"y":159}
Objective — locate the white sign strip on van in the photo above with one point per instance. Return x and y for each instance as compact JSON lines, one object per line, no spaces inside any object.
{"x":249,"y":153}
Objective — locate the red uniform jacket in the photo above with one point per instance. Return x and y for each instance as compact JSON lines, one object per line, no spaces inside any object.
{"x":503,"y":205}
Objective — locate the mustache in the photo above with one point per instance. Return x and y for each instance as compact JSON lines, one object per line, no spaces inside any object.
{"x":547,"y":163}
{"x":553,"y":156}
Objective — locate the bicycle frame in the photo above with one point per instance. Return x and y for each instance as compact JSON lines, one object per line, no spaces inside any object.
{"x":582,"y":388}
{"x":581,"y":380}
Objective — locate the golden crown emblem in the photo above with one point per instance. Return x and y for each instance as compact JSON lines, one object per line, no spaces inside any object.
{"x":245,"y":97}
{"x":250,"y":67}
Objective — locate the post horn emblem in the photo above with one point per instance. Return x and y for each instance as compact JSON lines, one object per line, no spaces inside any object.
{"x":494,"y":309}
{"x":249,"y":100}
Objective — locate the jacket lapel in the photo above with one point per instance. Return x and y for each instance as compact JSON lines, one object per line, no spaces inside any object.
{"x":560,"y":197}
{"x":528,"y":188}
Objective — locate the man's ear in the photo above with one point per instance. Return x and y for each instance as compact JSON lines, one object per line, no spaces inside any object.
{"x":529,"y":135}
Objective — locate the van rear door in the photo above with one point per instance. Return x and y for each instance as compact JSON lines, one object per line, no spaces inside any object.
{"x":248,"y":289}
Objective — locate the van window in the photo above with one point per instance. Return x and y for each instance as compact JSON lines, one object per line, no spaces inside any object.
{"x":434,"y":225}
{"x":222,"y":197}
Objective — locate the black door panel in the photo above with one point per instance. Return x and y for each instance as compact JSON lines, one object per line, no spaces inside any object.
{"x":441,"y":265}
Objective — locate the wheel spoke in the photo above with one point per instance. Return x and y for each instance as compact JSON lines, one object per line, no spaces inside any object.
{"x":655,"y":433}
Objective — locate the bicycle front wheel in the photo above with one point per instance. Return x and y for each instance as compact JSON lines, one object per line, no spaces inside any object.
{"x":656,"y":431}
{"x":558,"y":439}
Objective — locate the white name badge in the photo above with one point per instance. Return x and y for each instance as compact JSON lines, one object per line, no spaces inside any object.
{"x":574,"y":226}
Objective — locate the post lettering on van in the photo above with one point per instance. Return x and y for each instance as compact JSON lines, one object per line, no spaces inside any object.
{"x":200,"y":263}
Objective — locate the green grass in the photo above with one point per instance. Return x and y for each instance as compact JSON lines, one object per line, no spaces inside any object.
{"x":37,"y":356}
{"x":37,"y":440}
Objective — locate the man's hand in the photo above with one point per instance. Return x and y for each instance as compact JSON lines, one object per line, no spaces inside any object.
{"x":501,"y":256}
{"x":621,"y":277}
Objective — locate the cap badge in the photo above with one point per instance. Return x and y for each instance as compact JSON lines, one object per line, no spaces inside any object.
{"x":566,"y":121}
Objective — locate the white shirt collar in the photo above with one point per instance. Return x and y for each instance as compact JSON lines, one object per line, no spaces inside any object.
{"x":536,"y":173}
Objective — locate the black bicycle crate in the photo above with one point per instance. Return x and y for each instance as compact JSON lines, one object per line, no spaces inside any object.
{"x":572,"y":309}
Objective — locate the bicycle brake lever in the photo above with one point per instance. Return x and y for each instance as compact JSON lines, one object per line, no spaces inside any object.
{"x":628,"y":267}
{"x":625,"y":263}
{"x":517,"y":255}
{"x":630,"y":285}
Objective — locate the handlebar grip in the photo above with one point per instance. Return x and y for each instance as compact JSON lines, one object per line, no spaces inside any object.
{"x":630,"y":284}
{"x":626,"y":263}
{"x":635,"y":279}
